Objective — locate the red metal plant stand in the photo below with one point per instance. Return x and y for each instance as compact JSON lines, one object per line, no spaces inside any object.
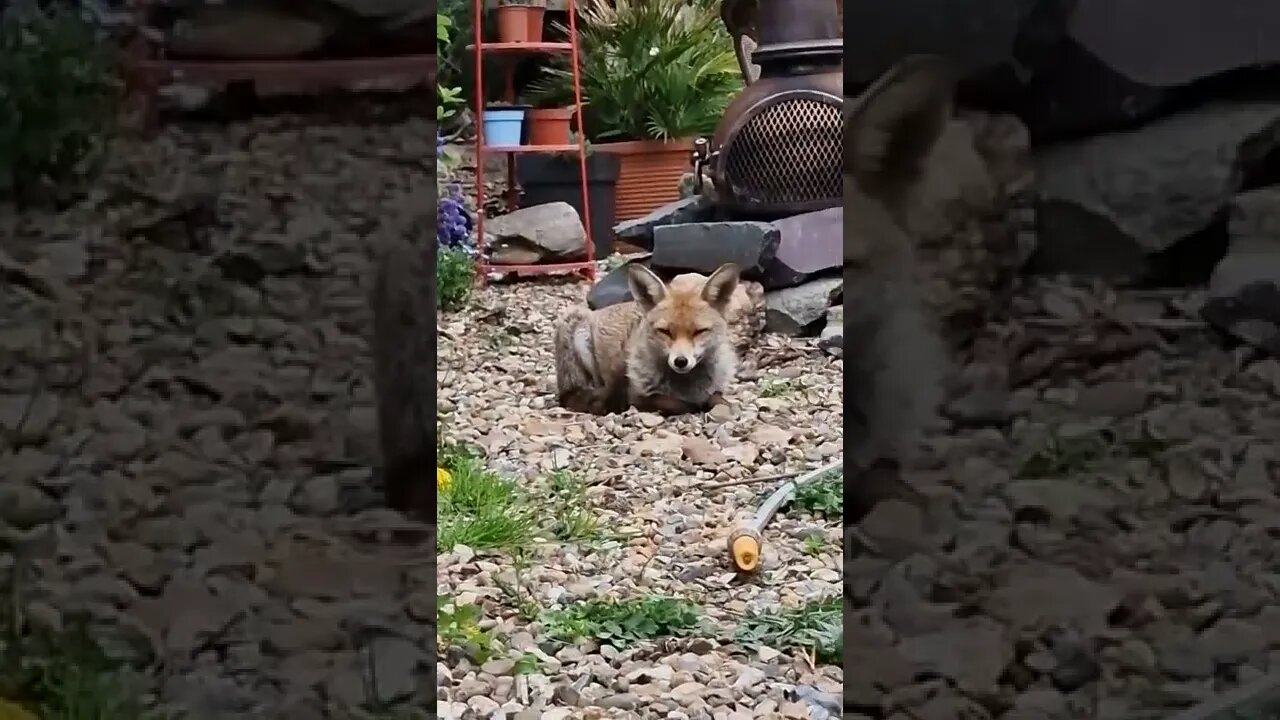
{"x":586,"y":266}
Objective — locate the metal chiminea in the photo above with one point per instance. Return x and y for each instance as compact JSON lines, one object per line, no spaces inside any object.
{"x":778,"y":149}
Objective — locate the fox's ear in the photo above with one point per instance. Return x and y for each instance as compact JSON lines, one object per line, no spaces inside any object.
{"x":890,"y":129}
{"x":646,"y":288}
{"x":719,"y":288}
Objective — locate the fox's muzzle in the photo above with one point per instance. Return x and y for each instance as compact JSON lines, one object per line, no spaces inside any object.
{"x":681,"y":363}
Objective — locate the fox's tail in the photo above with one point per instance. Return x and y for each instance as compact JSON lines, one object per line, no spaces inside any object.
{"x":404,"y":353}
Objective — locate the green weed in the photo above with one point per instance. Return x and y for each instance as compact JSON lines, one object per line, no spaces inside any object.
{"x":823,"y":497}
{"x":816,"y":626}
{"x":622,"y":622}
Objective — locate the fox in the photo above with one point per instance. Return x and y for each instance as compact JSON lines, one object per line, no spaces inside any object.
{"x":895,"y":357}
{"x":403,"y":303}
{"x":670,"y":350}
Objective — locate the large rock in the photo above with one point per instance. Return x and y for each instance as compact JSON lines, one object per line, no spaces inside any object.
{"x":831,"y":339}
{"x":1254,"y":251}
{"x":613,"y":289}
{"x":798,"y":310}
{"x":245,"y":31}
{"x":1067,"y":67}
{"x":703,"y":247}
{"x":1106,"y":204}
{"x":639,"y":232}
{"x":808,"y":244}
{"x":542,"y":233}
{"x":1245,"y":287}
{"x":397,"y":12}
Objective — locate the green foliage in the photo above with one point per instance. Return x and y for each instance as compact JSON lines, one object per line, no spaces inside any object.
{"x":448,"y":96}
{"x":651,"y":69}
{"x":823,"y":497}
{"x":817,"y":626}
{"x":623,"y":622}
{"x":59,"y":94}
{"x":483,"y":510}
{"x":63,"y":675}
{"x":458,"y":626}
{"x":455,"y":275}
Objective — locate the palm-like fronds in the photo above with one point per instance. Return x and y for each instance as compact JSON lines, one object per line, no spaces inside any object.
{"x":651,"y":69}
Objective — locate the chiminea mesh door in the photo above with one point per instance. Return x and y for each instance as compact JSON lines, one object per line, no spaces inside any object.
{"x":786,"y":156}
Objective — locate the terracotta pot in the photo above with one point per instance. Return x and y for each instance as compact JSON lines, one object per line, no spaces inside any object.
{"x":515,"y":22}
{"x":649,"y":173}
{"x":535,"y":18}
{"x":549,"y":126}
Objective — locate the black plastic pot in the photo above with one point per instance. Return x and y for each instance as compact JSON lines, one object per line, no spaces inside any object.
{"x":554,"y":178}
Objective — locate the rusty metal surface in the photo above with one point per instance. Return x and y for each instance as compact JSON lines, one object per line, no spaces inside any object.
{"x":785,"y":155}
{"x":777,"y":150}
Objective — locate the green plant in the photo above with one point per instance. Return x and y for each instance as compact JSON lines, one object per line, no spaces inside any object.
{"x":823,"y":496}
{"x":622,"y":622}
{"x":458,"y":626}
{"x":59,"y":93}
{"x":447,"y":96}
{"x":572,"y":518}
{"x":455,"y":274}
{"x":483,"y":510}
{"x":817,"y":626}
{"x":651,"y":69}
{"x":772,"y":388}
{"x":814,"y":544}
{"x":61,"y":675}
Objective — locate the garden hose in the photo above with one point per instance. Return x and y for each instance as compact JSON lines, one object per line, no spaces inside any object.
{"x":746,"y":543}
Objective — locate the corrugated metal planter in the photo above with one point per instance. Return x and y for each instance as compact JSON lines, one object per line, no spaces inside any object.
{"x":649,"y":173}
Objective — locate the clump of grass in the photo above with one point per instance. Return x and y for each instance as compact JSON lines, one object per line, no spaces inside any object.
{"x":621,"y":623}
{"x":816,"y":626}
{"x":775,"y":388}
{"x":1064,"y":454}
{"x":62,"y":675}
{"x":481,"y":509}
{"x":823,"y":497}
{"x":814,"y":544}
{"x":572,"y":519}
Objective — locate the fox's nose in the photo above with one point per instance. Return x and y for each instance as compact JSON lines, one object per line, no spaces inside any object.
{"x":680,"y":362}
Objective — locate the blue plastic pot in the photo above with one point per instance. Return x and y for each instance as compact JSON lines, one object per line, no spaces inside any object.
{"x":503,"y":126}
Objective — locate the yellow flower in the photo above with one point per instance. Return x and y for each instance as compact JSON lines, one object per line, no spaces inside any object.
{"x":11,"y":711}
{"x":444,"y":479}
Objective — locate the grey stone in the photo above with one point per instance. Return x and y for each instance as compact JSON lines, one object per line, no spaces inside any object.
{"x":541,"y":233}
{"x":1254,"y":253}
{"x":613,"y":289}
{"x":703,"y":247}
{"x":245,"y":31}
{"x":1108,"y":202}
{"x":1181,"y":655}
{"x":831,"y":339}
{"x":973,"y":652}
{"x":639,"y":232}
{"x":808,"y":244}
{"x":796,"y":310}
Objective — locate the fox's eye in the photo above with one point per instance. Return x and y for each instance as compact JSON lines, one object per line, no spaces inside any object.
{"x":663,"y":332}
{"x":701,"y":331}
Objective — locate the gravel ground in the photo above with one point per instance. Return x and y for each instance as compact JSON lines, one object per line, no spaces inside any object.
{"x":1104,"y":524}
{"x":666,"y":529}
{"x":186,"y":428}
{"x":186,"y":433}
